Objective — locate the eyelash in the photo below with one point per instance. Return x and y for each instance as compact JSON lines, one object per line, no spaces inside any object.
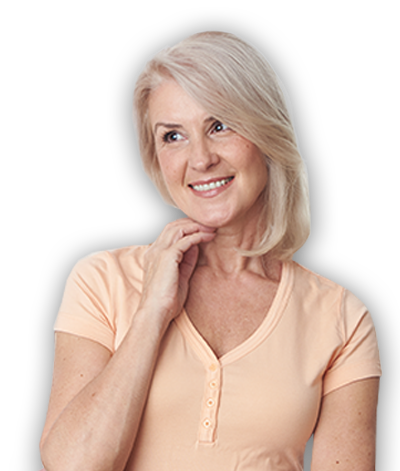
{"x":218,"y":123}
{"x":167,"y":137}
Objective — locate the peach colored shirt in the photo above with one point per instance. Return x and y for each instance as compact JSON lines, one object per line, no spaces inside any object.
{"x":256,"y":406}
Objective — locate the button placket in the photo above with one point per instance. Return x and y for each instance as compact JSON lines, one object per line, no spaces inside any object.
{"x":209,"y":414}
{"x":210,"y":402}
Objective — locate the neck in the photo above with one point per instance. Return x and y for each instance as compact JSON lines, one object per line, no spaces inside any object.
{"x":222,"y":255}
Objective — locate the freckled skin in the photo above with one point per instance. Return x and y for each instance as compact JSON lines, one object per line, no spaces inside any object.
{"x":198,"y":150}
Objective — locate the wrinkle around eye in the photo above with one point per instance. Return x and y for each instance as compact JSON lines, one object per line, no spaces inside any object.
{"x":222,"y":127}
{"x":171,"y":137}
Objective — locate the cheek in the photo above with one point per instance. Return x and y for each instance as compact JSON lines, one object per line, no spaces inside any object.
{"x":255,"y":162}
{"x":163,"y":162}
{"x":170,"y":171}
{"x":262,"y":170}
{"x":171,"y":176}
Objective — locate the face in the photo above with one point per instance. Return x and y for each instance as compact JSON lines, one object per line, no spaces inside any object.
{"x":214,"y":175}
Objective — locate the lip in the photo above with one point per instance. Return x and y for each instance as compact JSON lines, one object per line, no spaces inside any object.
{"x":210,"y":180}
{"x":213,"y":191}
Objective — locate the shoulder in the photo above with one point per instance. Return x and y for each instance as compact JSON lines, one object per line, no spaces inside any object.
{"x":313,"y":279}
{"x":338,"y":324}
{"x":328,"y":301}
{"x":101,"y":294}
{"x":125,"y":261}
{"x":315,"y":291}
{"x":314,"y":285}
{"x":107,"y":274}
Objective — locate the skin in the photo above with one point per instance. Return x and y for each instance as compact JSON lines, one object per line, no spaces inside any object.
{"x":97,"y":399}
{"x":192,"y":146}
{"x":345,"y":435}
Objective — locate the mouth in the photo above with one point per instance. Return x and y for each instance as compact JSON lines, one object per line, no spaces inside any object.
{"x":211,"y":184}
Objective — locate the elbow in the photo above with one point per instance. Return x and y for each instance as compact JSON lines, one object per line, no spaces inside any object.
{"x":63,"y":458}
{"x":42,"y":444}
{"x":42,"y":450}
{"x":45,"y":455}
{"x":53,"y":459}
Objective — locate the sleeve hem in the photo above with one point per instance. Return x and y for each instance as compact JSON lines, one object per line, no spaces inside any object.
{"x":350,"y":375}
{"x":68,"y":324}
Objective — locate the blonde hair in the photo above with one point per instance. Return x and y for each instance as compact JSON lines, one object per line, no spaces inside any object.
{"x":237,"y":86}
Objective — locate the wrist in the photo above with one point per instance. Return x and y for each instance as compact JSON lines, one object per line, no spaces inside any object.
{"x":153,"y":323}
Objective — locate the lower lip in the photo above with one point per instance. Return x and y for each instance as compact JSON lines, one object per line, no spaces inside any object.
{"x":213,"y":192}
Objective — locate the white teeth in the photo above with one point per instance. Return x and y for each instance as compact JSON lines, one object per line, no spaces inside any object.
{"x":212,"y":185}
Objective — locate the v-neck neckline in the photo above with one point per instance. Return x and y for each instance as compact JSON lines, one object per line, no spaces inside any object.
{"x":205,"y":352}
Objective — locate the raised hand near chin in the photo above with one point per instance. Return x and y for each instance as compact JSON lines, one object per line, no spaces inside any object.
{"x":168,"y":265}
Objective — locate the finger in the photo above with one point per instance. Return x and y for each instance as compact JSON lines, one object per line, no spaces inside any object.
{"x":179,"y":229}
{"x":184,"y":244}
{"x":206,"y":228}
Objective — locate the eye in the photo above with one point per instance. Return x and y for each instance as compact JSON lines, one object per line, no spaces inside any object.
{"x":171,"y":136}
{"x":219,"y":127}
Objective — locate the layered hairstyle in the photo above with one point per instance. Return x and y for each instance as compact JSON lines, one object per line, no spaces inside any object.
{"x":235,"y":84}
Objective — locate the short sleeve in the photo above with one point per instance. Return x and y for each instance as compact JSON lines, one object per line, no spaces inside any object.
{"x":85,"y":309}
{"x":358,"y":356}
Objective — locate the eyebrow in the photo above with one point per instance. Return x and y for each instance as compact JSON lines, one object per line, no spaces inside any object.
{"x":167,"y":125}
{"x":177,"y":126}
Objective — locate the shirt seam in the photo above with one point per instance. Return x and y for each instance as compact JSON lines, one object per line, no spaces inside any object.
{"x":341,"y":315}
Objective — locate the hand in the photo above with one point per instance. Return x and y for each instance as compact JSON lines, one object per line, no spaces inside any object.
{"x":168,"y":265}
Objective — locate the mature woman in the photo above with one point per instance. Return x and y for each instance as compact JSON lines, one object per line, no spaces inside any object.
{"x":210,"y":349}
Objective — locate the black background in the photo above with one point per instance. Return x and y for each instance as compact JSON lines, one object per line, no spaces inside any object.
{"x":78,"y":187}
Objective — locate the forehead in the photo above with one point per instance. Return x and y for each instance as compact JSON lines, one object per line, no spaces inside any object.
{"x":170,"y":103}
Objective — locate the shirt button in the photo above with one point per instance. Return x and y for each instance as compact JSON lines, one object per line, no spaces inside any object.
{"x":210,"y":402}
{"x":213,"y":384}
{"x":207,"y":423}
{"x":213,"y":367}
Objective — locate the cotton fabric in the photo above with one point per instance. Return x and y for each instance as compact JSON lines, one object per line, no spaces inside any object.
{"x":255,"y":407}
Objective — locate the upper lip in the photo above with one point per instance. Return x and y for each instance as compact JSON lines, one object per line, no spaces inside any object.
{"x":209,"y":180}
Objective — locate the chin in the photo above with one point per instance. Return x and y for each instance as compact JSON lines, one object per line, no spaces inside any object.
{"x":212,"y":220}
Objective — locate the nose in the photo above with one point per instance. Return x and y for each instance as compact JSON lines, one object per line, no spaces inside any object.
{"x":202,"y":155}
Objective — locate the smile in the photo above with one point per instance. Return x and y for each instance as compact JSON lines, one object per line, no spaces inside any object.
{"x":212,"y":185}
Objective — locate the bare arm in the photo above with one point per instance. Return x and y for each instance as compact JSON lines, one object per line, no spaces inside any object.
{"x":345,"y":435}
{"x":94,"y":428}
{"x":97,"y":399}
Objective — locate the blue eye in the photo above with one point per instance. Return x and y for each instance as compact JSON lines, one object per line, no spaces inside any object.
{"x":171,"y":136}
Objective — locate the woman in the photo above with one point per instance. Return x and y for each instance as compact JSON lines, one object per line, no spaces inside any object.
{"x":210,"y":348}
